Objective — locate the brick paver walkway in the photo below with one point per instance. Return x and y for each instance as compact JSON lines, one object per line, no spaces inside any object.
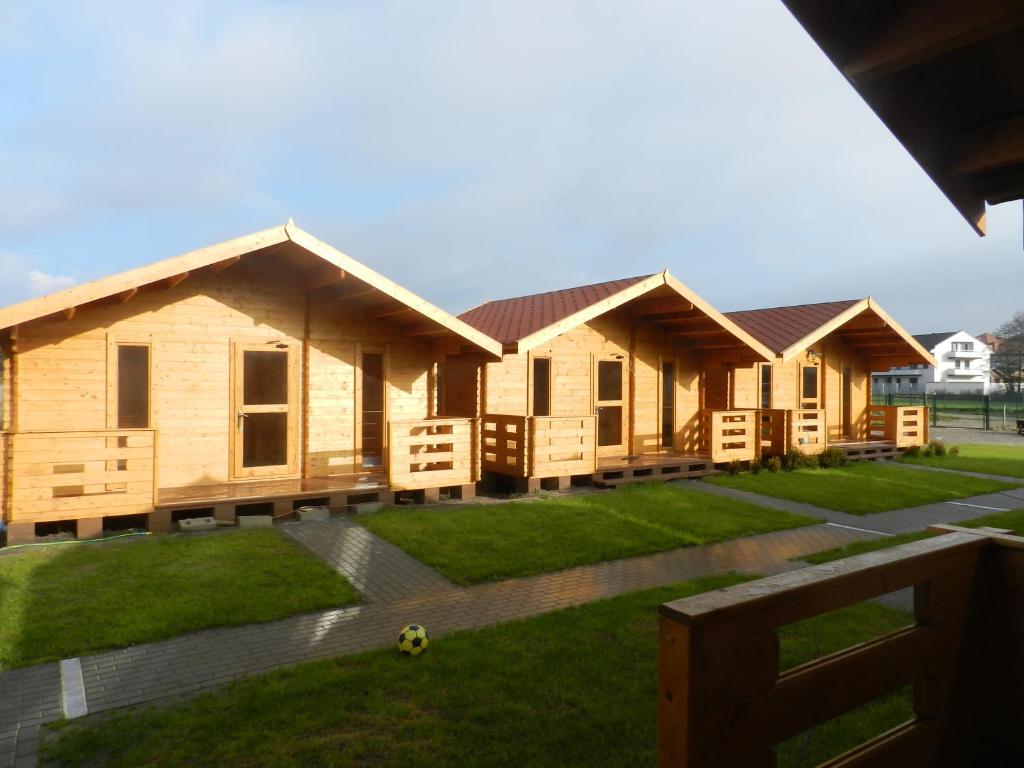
{"x":194,"y":663}
{"x":400,"y":590}
{"x":377,"y":568}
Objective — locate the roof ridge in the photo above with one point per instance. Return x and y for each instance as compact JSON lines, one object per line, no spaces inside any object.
{"x":795,"y":306}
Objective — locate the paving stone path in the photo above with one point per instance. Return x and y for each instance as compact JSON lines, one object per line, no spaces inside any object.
{"x":399,"y":590}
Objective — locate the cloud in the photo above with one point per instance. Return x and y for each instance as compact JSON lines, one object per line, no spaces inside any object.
{"x":40,"y":282}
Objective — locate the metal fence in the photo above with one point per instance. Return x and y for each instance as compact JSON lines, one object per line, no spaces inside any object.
{"x":995,"y":412}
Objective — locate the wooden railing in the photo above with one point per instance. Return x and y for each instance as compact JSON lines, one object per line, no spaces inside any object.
{"x":731,"y":435}
{"x":503,"y":444}
{"x":562,"y":445}
{"x":95,"y":473}
{"x":723,"y":702}
{"x":807,"y":431}
{"x":538,"y":446}
{"x":898,"y":424}
{"x":773,"y":431}
{"x":432,"y":453}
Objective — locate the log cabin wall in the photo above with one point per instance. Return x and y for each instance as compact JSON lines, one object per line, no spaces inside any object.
{"x":643,"y":349}
{"x":62,"y":366}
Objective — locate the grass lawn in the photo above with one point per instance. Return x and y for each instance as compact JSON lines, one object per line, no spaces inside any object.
{"x":1012,"y":520}
{"x":1005,"y":460}
{"x":862,"y":487}
{"x":67,"y":600}
{"x":576,"y":687}
{"x":484,"y":542}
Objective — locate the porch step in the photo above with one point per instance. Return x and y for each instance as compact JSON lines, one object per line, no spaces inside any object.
{"x":614,"y":477}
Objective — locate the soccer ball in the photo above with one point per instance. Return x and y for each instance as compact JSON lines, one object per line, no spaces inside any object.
{"x":412,"y":641}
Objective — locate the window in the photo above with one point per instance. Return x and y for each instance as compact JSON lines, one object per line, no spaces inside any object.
{"x":609,"y":380}
{"x":963,"y":346}
{"x":609,"y":405}
{"x":766,"y":385}
{"x":668,"y":404}
{"x":541,"y":386}
{"x":810,"y":382}
{"x":132,"y":386}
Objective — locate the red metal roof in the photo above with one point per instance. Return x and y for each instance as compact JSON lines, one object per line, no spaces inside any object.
{"x":509,"y":320}
{"x":781,"y":327}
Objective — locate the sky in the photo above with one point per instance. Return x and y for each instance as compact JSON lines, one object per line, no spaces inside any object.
{"x":478,"y":150}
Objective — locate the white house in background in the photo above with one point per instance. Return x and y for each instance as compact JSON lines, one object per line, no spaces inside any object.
{"x":963,"y":367}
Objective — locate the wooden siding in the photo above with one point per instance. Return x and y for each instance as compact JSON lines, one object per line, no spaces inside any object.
{"x":62,"y":375}
{"x":643,"y":349}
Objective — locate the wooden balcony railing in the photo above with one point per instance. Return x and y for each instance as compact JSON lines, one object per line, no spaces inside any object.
{"x":898,"y":424}
{"x":432,"y":453}
{"x":731,"y":435}
{"x":723,"y":702}
{"x":806,"y":430}
{"x":503,"y":444}
{"x":61,"y":475}
{"x":562,"y":445}
{"x":539,"y":446}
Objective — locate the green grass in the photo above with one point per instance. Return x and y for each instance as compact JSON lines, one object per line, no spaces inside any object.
{"x":482,"y":542}
{"x":860,"y":547}
{"x":1012,"y":520}
{"x":67,"y":600}
{"x":576,"y":687}
{"x":1005,"y":460}
{"x":861,"y":488}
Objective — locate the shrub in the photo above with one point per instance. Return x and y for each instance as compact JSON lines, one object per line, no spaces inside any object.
{"x":734,"y":467}
{"x":773,"y":464}
{"x":755,"y":466}
{"x":912,"y":451}
{"x":926,"y":451}
{"x":938,"y":447}
{"x":797,"y":459}
{"x":831,"y":458}
{"x":954,"y":450}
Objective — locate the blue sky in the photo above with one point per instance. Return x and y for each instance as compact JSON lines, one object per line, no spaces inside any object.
{"x":475,"y":150}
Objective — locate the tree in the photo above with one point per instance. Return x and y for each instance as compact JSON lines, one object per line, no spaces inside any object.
{"x":1009,"y":360}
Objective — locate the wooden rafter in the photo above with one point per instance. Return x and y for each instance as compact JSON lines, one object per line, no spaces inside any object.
{"x":220,"y":266}
{"x":992,"y":146}
{"x":423,"y":330}
{"x":174,"y":280}
{"x":391,"y":312}
{"x":356,"y":294}
{"x":919,"y":31}
{"x":327,"y":274}
{"x":125,"y":296}
{"x":69,"y":312}
{"x":662,"y":306}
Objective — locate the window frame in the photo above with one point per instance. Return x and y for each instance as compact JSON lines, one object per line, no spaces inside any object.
{"x":114,"y":342}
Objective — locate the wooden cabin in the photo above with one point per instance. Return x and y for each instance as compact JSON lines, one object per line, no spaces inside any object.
{"x":259,"y":374}
{"x":816,"y":390}
{"x":613,"y":382}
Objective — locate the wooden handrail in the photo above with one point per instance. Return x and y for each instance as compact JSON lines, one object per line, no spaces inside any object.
{"x":722,"y":700}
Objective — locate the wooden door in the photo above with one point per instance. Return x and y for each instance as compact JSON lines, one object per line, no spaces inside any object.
{"x":847,"y":404}
{"x":609,"y":406}
{"x":265,"y":408}
{"x":371,"y":411}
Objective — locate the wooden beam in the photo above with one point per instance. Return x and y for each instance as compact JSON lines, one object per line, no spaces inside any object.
{"x":383,"y":314}
{"x":662,"y":306}
{"x":1001,"y":185}
{"x":699,"y":332}
{"x":992,"y":146}
{"x":321,"y":276}
{"x":220,"y":266}
{"x":918,"y":31}
{"x":349,"y":295}
{"x":423,"y":330}
{"x":69,"y":312}
{"x":174,"y":280}
{"x":125,"y":296}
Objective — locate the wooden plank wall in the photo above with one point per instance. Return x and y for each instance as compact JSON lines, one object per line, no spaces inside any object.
{"x":573,"y":356}
{"x":62,"y":365}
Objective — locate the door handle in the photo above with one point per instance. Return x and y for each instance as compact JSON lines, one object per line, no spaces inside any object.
{"x":239,"y":418}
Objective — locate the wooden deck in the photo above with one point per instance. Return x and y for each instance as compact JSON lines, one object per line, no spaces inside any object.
{"x":259,"y":491}
{"x":617,"y":470}
{"x":871,"y":450}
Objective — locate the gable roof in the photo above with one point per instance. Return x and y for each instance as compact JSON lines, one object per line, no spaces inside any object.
{"x":781,"y":327}
{"x":931,"y":340}
{"x":222,"y":255}
{"x":509,"y":320}
{"x":789,"y":331}
{"x":524,"y":322}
